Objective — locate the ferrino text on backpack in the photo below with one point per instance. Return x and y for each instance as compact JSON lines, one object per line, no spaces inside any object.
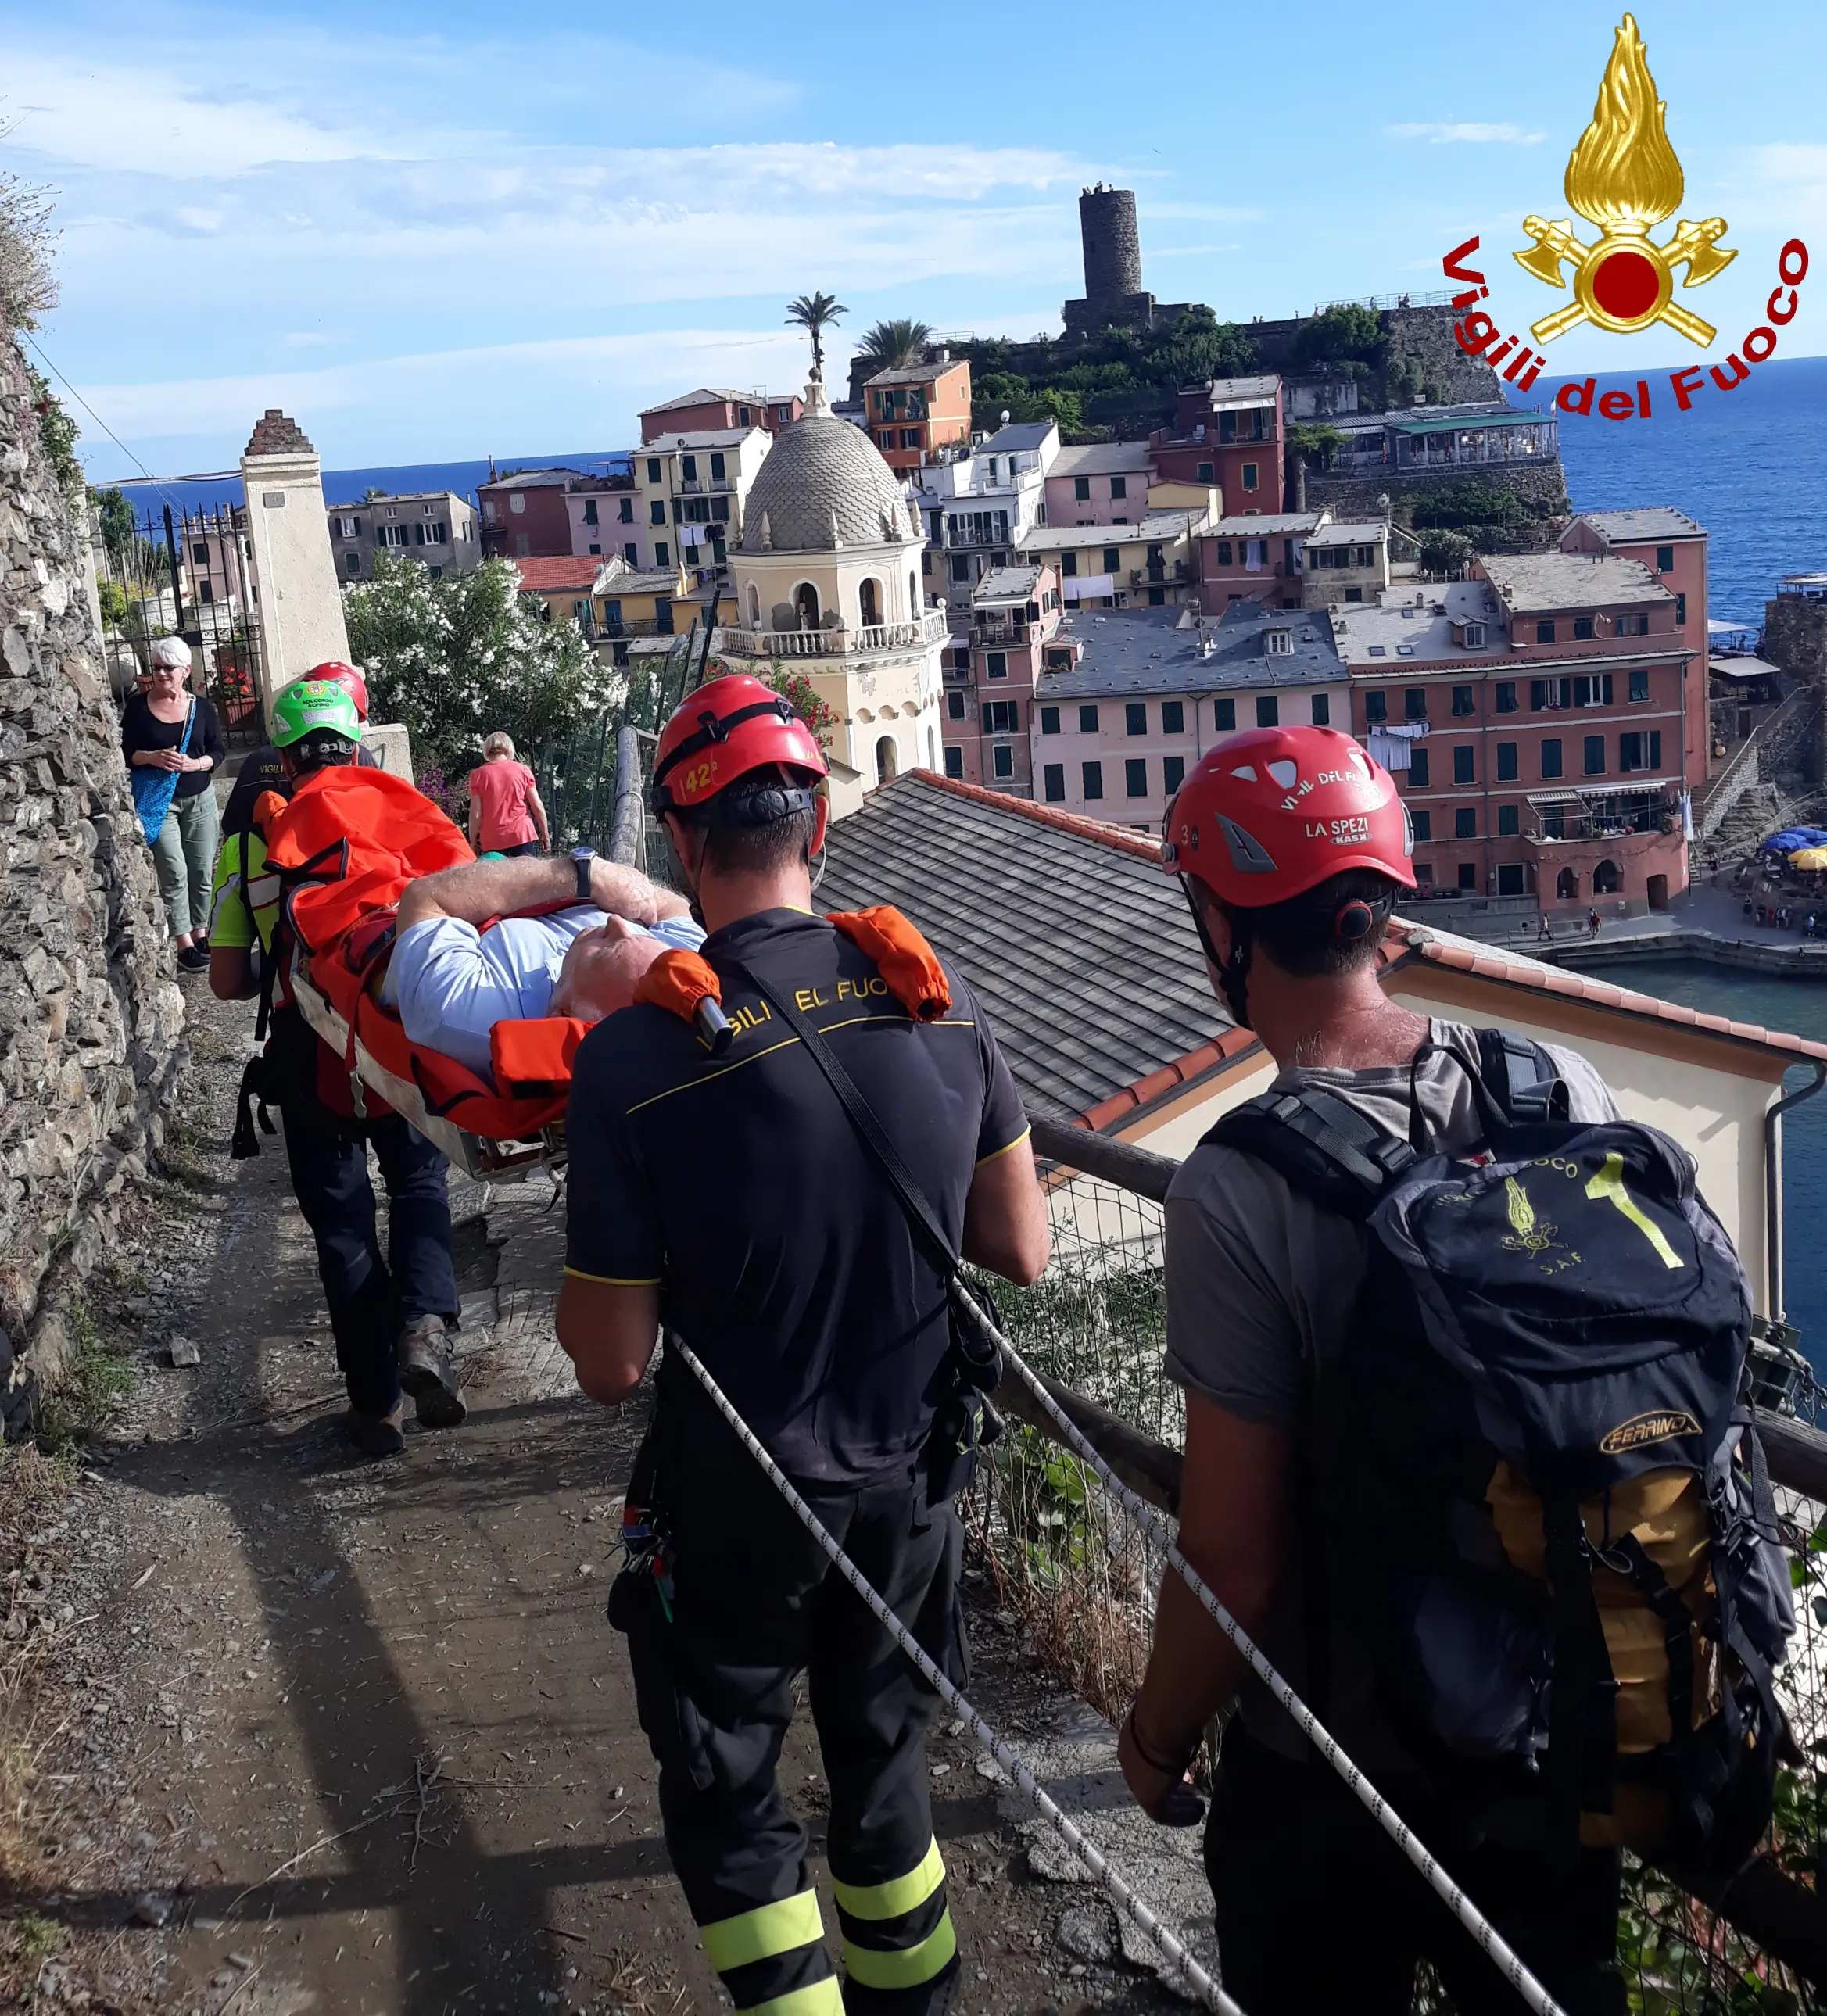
{"x":1538,"y":1500}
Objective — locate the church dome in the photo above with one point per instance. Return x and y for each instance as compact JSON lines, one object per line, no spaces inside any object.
{"x":824,"y":483}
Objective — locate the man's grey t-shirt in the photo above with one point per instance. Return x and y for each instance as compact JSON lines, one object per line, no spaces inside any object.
{"x":1261,"y":1283}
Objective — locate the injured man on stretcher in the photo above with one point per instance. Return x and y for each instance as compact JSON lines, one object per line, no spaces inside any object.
{"x":450,"y":980}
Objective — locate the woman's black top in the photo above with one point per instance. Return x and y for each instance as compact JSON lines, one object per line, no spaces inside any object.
{"x":142,"y":728}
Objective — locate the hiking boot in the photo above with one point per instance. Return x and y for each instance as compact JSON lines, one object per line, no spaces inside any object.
{"x":427,"y":1374}
{"x":376,"y":1435}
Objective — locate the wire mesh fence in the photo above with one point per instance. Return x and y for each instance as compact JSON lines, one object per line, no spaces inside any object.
{"x":1070,"y":1564}
{"x":187,"y":574}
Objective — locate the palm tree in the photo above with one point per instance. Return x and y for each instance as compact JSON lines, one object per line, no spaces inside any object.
{"x":815,"y":313}
{"x":889,"y":345}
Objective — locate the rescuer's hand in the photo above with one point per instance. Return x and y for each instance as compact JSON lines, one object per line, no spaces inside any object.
{"x":1163,"y":1795}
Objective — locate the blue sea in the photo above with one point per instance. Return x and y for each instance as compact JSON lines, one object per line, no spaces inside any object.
{"x":1751,"y":465}
{"x":347,"y":486}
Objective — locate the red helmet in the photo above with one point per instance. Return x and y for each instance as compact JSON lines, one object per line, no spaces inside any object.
{"x":348,"y":678}
{"x":727,"y":728}
{"x":1272,"y":813}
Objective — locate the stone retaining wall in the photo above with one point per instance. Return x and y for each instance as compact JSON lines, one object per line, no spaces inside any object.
{"x":1799,"y":962}
{"x":90,"y":1019}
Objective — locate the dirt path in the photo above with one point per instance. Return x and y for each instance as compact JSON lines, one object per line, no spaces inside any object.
{"x":317,"y":1734}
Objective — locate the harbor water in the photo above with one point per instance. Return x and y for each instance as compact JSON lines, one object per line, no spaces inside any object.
{"x":1799,"y":1007}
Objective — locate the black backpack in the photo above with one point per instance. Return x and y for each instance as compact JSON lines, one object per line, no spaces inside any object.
{"x":1536,"y":1498}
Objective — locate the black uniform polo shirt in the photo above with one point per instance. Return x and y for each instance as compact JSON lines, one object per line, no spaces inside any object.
{"x":739,"y":1185}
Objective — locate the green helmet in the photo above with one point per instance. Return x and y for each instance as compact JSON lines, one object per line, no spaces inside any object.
{"x":307,"y":705}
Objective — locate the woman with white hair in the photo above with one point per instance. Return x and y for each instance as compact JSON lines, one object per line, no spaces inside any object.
{"x":505,"y":816}
{"x":173,"y":742}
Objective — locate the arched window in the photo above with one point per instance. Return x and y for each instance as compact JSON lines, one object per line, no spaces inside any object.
{"x":869,"y":595}
{"x":887,"y":760}
{"x":1567,"y":886}
{"x":1605,"y":879}
{"x":805,"y":602}
{"x":754,"y":621}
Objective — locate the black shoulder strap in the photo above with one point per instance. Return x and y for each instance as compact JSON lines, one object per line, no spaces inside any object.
{"x":1520,"y":1076}
{"x":1325,"y":1148}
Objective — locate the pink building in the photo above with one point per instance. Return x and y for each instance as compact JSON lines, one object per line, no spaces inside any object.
{"x":1129,"y":701}
{"x":1104,"y":484}
{"x":602,"y":513}
{"x":1673,"y":549}
{"x":1532,"y":717}
{"x":1257,"y":559}
{"x":1229,"y":432}
{"x":989,"y":681}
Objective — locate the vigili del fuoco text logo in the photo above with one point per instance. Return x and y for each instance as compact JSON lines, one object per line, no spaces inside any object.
{"x":1624,"y":176}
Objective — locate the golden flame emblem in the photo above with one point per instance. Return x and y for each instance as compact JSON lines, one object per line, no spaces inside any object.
{"x":1624,"y":176}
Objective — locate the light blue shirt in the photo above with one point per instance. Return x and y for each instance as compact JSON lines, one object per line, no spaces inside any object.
{"x":450,"y":983}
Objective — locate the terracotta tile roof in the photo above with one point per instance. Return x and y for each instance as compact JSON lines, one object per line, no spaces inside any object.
{"x":547,"y":575}
{"x":1408,"y":940}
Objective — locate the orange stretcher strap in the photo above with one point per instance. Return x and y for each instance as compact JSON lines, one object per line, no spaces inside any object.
{"x":682,"y":983}
{"x":531,"y":1059}
{"x":902,"y":958}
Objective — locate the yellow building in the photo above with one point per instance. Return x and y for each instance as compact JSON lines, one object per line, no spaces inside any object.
{"x":1153,"y":564}
{"x":610,"y":601}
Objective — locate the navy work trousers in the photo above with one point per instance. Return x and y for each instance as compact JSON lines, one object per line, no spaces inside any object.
{"x":754,"y":1604}
{"x":370,"y":1298}
{"x":1289,"y":1846}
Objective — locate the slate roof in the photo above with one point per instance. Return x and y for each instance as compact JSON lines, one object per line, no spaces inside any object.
{"x":532,"y":479}
{"x":705,"y":395}
{"x":708,"y":437}
{"x":1368,"y":532}
{"x":1375,"y":636}
{"x":1018,"y":437}
{"x":1652,"y":521}
{"x":1103,"y":459}
{"x":1079,"y":948}
{"x":1274,"y":526}
{"x":1149,"y":651}
{"x":1005,"y":583}
{"x":914,"y":374}
{"x":1158,"y":525}
{"x":818,"y":465}
{"x":1544,"y":584}
{"x":1227,"y":393}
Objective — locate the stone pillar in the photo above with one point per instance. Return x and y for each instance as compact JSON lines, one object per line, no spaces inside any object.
{"x":294,"y":571}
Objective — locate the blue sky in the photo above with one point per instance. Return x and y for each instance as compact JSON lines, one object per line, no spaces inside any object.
{"x":508,"y":229}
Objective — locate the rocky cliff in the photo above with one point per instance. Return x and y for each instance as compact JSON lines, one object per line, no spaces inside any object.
{"x":90,"y":1016}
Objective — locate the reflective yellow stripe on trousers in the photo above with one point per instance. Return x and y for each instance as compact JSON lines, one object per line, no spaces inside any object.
{"x":765,"y":1933}
{"x":907,"y":1968}
{"x":896,"y":1899}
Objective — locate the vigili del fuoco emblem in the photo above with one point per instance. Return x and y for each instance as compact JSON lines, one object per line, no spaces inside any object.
{"x":1625,"y":177}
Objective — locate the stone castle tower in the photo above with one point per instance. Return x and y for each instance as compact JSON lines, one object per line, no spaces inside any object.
{"x":1114,"y":294}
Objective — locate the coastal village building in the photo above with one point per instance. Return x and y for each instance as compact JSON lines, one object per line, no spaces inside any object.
{"x":1532,"y":717}
{"x":1228,"y":432}
{"x":611,"y":602}
{"x":601,"y":510}
{"x":1459,"y":441}
{"x":1105,"y":483}
{"x":826,"y":582}
{"x":1260,"y":559}
{"x":710,"y":410}
{"x":690,"y":489}
{"x":977,"y":506}
{"x":989,"y":681}
{"x":1078,"y":911}
{"x":435,"y":526}
{"x":523,"y":514}
{"x":1153,"y":564}
{"x":1348,"y":563}
{"x":913,"y":412}
{"x":1128,"y":702}
{"x":1673,"y":549}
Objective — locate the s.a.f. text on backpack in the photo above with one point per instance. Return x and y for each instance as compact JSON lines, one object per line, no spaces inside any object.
{"x":1537,"y":1499}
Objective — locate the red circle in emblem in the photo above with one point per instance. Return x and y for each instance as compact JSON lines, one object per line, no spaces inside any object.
{"x":1626,"y":285}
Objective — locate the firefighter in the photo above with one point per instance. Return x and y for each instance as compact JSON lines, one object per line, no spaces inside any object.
{"x":729,"y":1198}
{"x":390,"y":1317}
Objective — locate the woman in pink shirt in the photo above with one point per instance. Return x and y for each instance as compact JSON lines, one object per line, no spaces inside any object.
{"x":505,"y":816}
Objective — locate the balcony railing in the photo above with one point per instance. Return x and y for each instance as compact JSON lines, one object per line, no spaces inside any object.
{"x":1613,"y":816}
{"x":933,"y":628}
{"x":706,"y":486}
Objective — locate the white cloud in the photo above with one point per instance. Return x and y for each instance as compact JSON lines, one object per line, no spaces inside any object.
{"x":1444,"y":131}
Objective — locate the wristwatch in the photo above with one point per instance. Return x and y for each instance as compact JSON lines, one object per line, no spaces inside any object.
{"x":581,"y":858}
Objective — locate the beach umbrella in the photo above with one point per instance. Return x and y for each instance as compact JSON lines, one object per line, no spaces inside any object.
{"x":1810,"y":860}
